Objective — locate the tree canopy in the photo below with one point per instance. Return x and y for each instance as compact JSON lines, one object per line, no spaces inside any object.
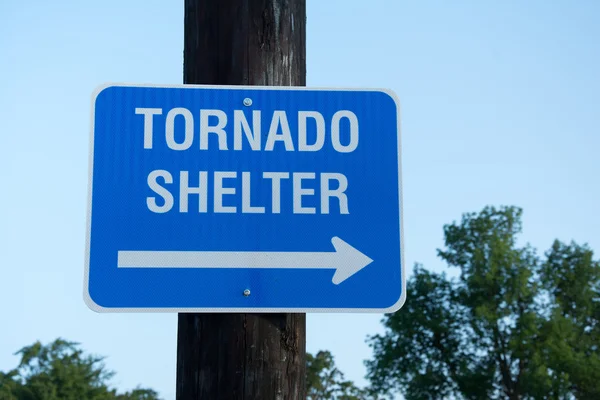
{"x":325,"y":381}
{"x":513,"y":325}
{"x":61,"y":371}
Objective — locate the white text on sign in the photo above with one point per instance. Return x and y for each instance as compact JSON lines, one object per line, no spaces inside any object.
{"x":167,"y":186}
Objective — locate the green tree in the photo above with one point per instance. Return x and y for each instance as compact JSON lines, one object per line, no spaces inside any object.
{"x":326,"y":382}
{"x":61,"y":371}
{"x":572,"y":332}
{"x":511,"y":326}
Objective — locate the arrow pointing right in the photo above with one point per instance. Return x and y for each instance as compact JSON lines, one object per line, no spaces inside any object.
{"x":346,"y":260}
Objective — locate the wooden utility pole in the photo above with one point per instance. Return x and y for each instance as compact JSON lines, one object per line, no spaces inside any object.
{"x":243,"y":356}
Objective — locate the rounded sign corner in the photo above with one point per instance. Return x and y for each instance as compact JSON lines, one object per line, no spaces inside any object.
{"x":91,"y":304}
{"x":99,"y":89}
{"x":392,"y":95}
{"x":396,"y":306}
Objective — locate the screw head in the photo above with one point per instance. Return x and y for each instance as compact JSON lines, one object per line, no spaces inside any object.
{"x":247,"y":102}
{"x":247,"y":292}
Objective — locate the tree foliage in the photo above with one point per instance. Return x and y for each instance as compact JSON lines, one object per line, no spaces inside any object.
{"x":326,"y":382}
{"x":513,"y":325}
{"x":61,"y":371}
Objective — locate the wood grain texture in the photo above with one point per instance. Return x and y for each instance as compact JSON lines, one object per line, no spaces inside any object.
{"x":243,"y":356}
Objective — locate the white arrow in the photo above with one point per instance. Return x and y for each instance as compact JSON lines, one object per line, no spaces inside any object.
{"x":346,"y":260}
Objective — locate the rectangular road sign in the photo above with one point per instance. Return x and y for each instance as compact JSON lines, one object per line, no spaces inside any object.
{"x":244,"y":199}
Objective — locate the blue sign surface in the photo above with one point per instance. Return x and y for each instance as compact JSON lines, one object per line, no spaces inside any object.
{"x":244,"y":199}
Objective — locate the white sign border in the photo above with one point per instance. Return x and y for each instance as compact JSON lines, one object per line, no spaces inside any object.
{"x":101,"y":309}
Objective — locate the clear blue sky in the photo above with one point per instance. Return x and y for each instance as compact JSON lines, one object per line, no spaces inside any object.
{"x":500,"y":105}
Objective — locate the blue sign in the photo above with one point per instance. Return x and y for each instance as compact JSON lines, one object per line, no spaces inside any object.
{"x":244,"y":199}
